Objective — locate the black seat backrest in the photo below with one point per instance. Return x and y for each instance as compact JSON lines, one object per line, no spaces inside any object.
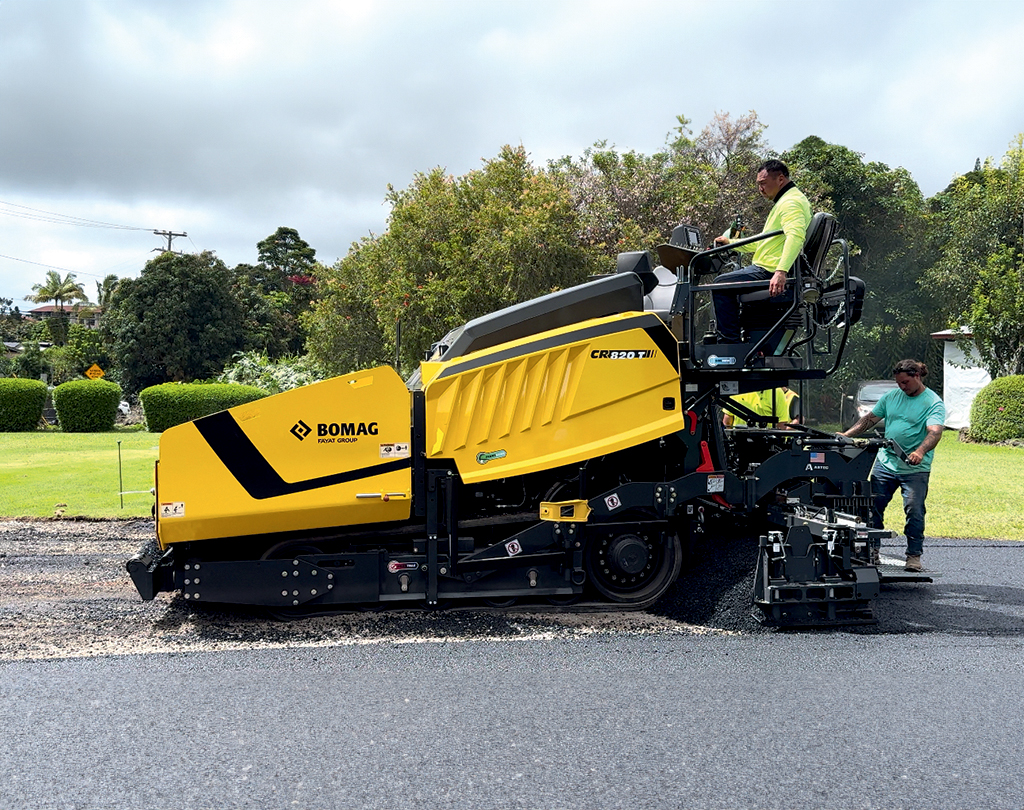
{"x":819,"y":237}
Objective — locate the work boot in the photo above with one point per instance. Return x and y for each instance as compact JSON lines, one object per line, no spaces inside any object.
{"x":913,"y":562}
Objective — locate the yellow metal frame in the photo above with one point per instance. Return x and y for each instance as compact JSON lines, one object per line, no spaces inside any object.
{"x":565,"y":511}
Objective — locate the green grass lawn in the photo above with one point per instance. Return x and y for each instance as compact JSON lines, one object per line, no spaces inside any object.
{"x":40,"y":471}
{"x":976,"y":490}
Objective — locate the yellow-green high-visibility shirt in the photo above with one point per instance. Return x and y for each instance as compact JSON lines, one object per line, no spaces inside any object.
{"x":791,"y":212}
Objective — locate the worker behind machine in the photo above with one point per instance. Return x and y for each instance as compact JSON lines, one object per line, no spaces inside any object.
{"x":772,"y":402}
{"x":796,"y":414}
{"x":772,"y":259}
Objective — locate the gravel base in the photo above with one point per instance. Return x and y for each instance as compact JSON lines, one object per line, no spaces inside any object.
{"x":64,"y":593}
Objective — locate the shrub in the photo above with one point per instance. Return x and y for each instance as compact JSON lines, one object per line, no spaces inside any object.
{"x":86,"y":406}
{"x":170,"y":404}
{"x":275,"y":376}
{"x":997,"y":413}
{"x":21,"y":404}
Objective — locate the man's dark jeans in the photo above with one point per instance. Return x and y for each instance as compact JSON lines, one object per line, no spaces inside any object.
{"x":914,"y":487}
{"x":762,"y":315}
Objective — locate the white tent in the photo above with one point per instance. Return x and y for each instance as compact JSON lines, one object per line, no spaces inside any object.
{"x":963,"y":378}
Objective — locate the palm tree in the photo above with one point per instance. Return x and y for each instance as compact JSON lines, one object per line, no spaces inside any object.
{"x":105,"y":290}
{"x":58,"y":290}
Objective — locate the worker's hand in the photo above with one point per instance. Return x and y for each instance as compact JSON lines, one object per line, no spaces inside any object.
{"x":778,"y":284}
{"x":721,"y":240}
{"x":914,"y":458}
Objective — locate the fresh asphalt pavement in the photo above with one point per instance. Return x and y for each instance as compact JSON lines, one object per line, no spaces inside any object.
{"x":924,"y":710}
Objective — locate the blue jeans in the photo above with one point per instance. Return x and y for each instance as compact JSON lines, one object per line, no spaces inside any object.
{"x":914,"y":487}
{"x":727,"y":305}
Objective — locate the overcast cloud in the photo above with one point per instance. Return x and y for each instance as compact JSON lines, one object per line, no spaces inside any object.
{"x":229,"y":119}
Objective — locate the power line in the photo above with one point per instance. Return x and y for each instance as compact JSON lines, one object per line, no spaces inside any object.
{"x":66,"y":270}
{"x":54,"y":218}
{"x":38,"y":215}
{"x":40,"y":264}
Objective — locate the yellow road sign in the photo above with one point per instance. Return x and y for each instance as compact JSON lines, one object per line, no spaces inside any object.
{"x":94,"y":372}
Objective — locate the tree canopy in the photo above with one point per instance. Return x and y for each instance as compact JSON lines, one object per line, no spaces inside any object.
{"x":977,"y":280}
{"x":59,"y":289}
{"x":882,"y":214}
{"x":177,"y":322}
{"x":455,"y":248}
{"x":276,"y":291}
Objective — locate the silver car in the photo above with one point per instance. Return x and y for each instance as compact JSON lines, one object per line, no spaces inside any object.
{"x":860,"y":398}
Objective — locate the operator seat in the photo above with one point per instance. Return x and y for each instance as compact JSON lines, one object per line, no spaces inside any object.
{"x":818,"y":240}
{"x":806,"y":283}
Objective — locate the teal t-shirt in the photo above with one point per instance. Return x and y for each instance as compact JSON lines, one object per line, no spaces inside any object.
{"x":907,"y":420}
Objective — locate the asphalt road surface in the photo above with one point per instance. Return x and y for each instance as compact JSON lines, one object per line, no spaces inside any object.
{"x":924,"y":710}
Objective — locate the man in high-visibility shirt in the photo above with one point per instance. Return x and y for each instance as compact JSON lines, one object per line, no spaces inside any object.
{"x":796,"y":415}
{"x":770,"y":402}
{"x":773,"y":258}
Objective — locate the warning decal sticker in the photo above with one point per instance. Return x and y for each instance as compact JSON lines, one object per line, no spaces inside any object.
{"x":172,"y":510}
{"x":397,"y":450}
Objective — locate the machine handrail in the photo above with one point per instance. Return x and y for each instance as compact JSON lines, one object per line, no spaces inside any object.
{"x":732,"y":246}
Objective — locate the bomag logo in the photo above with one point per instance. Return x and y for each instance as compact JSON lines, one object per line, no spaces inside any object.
{"x":334,"y":432}
{"x":346,"y":429}
{"x":343,"y":432}
{"x":623,"y":354}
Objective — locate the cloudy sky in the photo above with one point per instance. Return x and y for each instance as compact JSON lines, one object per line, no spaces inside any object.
{"x":228,"y":119}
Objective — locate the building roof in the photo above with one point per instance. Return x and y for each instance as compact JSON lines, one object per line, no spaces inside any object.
{"x":953,"y":334}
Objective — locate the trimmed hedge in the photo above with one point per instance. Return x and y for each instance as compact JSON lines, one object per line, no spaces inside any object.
{"x":86,"y":406}
{"x":997,"y":413}
{"x":21,"y":404}
{"x":171,"y":404}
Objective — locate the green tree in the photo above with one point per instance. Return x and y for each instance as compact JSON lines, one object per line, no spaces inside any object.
{"x":60,"y":290}
{"x":30,"y":363}
{"x":276,"y":291}
{"x":11,"y":320}
{"x":622,"y":200}
{"x":978,"y":231}
{"x":106,"y":289}
{"x":630,"y":201}
{"x":57,"y":289}
{"x":882,"y":215}
{"x":61,"y":365}
{"x":177,"y":322}
{"x":269,"y":326}
{"x":996,"y":313}
{"x":284,"y":255}
{"x":455,"y":248}
{"x":713,"y":176}
{"x":85,"y":346}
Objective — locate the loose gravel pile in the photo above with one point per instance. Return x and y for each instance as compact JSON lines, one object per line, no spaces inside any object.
{"x":714,"y":589}
{"x":64,"y":592}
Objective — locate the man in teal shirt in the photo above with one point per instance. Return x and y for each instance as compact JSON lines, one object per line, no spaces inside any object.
{"x":914,"y":417}
{"x":773,"y":258}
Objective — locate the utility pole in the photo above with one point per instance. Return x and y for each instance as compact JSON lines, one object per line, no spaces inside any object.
{"x":170,"y":238}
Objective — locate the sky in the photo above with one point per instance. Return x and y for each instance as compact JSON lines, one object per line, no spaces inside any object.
{"x":228,"y":119}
